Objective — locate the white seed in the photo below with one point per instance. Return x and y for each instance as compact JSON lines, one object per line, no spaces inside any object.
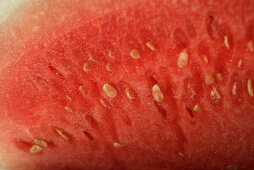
{"x":82,"y":89}
{"x":35,"y":149}
{"x":62,"y":134}
{"x":135,"y":54}
{"x":117,"y":145}
{"x":219,"y":77}
{"x":104,"y":103}
{"x":91,"y":58}
{"x":191,"y":91}
{"x":209,"y":79}
{"x":232,"y":167}
{"x":41,"y":143}
{"x":157,"y":93}
{"x":86,"y":67}
{"x":226,"y":43}
{"x":239,"y":64}
{"x":250,"y":46}
{"x":197,"y":108}
{"x":205,"y":59}
{"x":181,"y":154}
{"x":215,"y":94}
{"x":108,"y":66}
{"x":234,"y":88}
{"x":129,"y":93}
{"x":111,"y":55}
{"x":250,"y":88}
{"x":150,"y":46}
{"x":182,"y":59}
{"x":68,"y":109}
{"x":68,"y":98}
{"x":109,"y":90}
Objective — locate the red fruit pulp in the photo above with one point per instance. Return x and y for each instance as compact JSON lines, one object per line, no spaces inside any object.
{"x":130,"y":85}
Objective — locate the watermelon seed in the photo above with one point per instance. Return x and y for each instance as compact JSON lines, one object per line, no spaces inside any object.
{"x":219,"y":77}
{"x":35,"y":149}
{"x":117,"y":145}
{"x":181,"y":154}
{"x":157,"y":94}
{"x":182,"y":59}
{"x":135,"y":54}
{"x":41,"y":143}
{"x":86,"y":67}
{"x":190,"y":112}
{"x":91,"y":58}
{"x":239,"y":64}
{"x":129,"y":93}
{"x":250,"y":88}
{"x":108,"y":67}
{"x":226,"y":43}
{"x":209,"y":79}
{"x":104,"y":103}
{"x":197,"y":108}
{"x":68,"y":98}
{"x":111,"y":55}
{"x":150,"y":46}
{"x":161,"y":110}
{"x":109,"y":90}
{"x":205,"y":59}
{"x":191,"y":91}
{"x":234,"y":88}
{"x":68,"y":109}
{"x":92,"y":121}
{"x":250,"y":46}
{"x":62,"y":134}
{"x":215,"y":94}
{"x":82,"y":89}
{"x":88,"y":135}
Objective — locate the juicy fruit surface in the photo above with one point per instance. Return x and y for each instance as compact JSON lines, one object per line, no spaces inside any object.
{"x":145,"y":85}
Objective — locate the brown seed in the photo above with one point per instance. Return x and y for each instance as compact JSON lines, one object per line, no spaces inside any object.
{"x":35,"y":149}
{"x":109,"y":90}
{"x":68,"y":109}
{"x":239,"y":64}
{"x":215,"y":94}
{"x":157,"y":93}
{"x":205,"y":59}
{"x":150,"y":46}
{"x":234,"y":88}
{"x":219,"y":77}
{"x":226,"y":43}
{"x":182,"y":59}
{"x":250,"y":46}
{"x":41,"y":143}
{"x":86,"y":67}
{"x":197,"y":108}
{"x":209,"y":79}
{"x":135,"y":54}
{"x":129,"y":93}
{"x":117,"y":145}
{"x":250,"y":88}
{"x":62,"y":134}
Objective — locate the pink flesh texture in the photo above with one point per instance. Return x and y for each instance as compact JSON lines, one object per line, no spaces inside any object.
{"x":48,"y":66}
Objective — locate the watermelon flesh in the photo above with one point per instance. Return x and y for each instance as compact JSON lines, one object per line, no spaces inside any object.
{"x":128,"y":85}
